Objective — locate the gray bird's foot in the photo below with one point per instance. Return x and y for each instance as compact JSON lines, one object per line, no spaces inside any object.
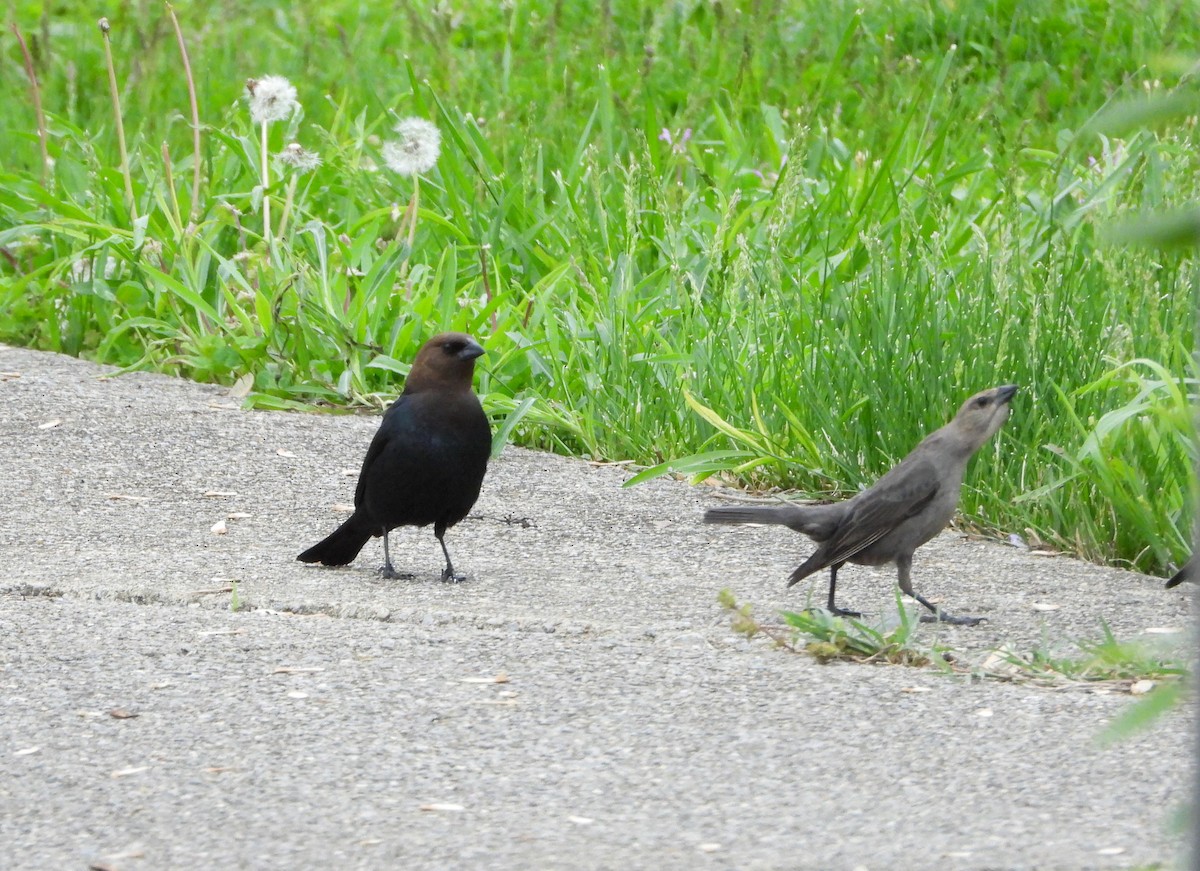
{"x":953,"y":621}
{"x":840,"y":612}
{"x":451,"y":577}
{"x":389,"y":573}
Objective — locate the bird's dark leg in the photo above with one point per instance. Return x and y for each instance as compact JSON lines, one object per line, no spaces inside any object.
{"x":388,"y":570}
{"x":904,"y":570}
{"x":448,"y":572}
{"x":834,"y":609}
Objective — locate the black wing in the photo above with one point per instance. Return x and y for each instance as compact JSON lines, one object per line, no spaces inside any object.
{"x":383,"y":436}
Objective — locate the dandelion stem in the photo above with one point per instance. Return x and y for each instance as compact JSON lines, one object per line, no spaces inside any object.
{"x":37,"y":104}
{"x":170,"y":179}
{"x":410,"y":218}
{"x":187,"y":70}
{"x":116,"y":101}
{"x":287,"y":204}
{"x":487,"y":283}
{"x":413,"y":206}
{"x":266,"y":181}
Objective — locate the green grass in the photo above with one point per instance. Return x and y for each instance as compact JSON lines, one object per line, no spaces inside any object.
{"x":1122,"y":666}
{"x":875,"y":214}
{"x":827,"y":638}
{"x":1105,"y":660}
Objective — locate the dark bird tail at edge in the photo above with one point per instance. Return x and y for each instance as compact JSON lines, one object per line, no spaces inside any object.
{"x":341,"y":546}
{"x":1186,"y":573}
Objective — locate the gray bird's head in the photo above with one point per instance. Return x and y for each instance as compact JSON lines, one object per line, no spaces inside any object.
{"x":445,"y":362}
{"x":983,"y":414}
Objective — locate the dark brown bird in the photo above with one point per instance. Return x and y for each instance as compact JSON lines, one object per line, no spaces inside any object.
{"x":1187,"y":573}
{"x":426,"y":462}
{"x":904,"y":509}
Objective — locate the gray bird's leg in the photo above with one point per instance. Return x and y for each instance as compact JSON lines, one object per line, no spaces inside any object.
{"x":904,"y":570}
{"x":448,"y":572}
{"x":834,"y":609}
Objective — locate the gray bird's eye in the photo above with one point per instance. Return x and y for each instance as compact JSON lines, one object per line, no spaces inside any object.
{"x":981,"y":401}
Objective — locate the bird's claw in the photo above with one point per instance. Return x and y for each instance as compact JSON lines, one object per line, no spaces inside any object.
{"x":450,"y":577}
{"x":839,"y":612}
{"x":390,"y":574}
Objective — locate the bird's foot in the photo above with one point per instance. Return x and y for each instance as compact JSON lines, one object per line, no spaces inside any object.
{"x":450,"y":576}
{"x":840,"y":612}
{"x":942,"y":617}
{"x":388,"y":572}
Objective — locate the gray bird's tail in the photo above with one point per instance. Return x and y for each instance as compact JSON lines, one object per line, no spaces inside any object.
{"x":749,"y":514}
{"x":815,"y":521}
{"x":342,"y":545}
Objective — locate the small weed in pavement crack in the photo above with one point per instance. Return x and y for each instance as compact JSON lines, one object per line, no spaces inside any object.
{"x":31,"y":591}
{"x":1108,"y":663}
{"x":507,"y":519}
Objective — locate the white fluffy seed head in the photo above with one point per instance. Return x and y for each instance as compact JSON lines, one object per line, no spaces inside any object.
{"x":417,"y":149}
{"x":272,"y":98}
{"x":299,"y":158}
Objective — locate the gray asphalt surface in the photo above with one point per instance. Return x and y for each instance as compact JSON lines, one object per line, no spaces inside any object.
{"x":579,"y":703}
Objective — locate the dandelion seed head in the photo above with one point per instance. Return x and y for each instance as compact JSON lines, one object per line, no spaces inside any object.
{"x":299,"y":158}
{"x":103,"y":25}
{"x":83,"y":269}
{"x":417,"y":149}
{"x":272,"y":98}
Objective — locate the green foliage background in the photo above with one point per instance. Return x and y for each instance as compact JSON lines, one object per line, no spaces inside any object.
{"x":778,"y":239}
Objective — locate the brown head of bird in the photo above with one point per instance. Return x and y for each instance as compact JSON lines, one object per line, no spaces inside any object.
{"x":446,"y":362}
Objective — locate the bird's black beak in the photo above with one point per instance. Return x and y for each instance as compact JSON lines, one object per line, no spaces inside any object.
{"x":473,"y":350}
{"x":1006,"y":393}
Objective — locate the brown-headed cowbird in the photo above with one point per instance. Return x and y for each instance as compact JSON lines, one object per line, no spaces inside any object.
{"x":1187,"y":573}
{"x":426,"y":462}
{"x":904,"y":509}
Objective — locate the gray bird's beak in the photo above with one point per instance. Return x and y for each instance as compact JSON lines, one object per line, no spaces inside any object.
{"x":1006,"y":393}
{"x":473,"y":350}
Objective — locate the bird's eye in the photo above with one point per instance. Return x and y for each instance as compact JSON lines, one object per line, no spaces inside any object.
{"x":453,"y":347}
{"x":981,"y":402}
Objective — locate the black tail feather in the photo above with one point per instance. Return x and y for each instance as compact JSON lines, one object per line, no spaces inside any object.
{"x":342,"y":545}
{"x":1187,"y":573}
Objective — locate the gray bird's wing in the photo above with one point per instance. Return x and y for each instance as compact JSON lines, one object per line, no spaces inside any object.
{"x":894,"y":499}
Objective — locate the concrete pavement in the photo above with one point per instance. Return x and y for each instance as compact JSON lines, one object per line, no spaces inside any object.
{"x":579,"y":703}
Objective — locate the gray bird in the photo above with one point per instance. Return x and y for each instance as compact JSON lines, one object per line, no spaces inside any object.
{"x":904,"y":509}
